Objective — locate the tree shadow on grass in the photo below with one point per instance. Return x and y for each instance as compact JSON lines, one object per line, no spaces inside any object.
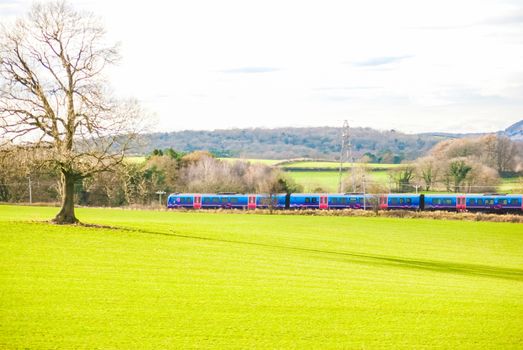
{"x":475,"y":270}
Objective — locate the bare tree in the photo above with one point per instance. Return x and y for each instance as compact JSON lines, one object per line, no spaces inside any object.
{"x":355,"y":177}
{"x":481,"y":178}
{"x":402,"y":177}
{"x":427,"y":170}
{"x":53,"y":95}
{"x":505,"y":154}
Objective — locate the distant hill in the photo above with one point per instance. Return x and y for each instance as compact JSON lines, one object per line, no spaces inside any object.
{"x":318,"y":142}
{"x":285,"y":143}
{"x":515,"y":131}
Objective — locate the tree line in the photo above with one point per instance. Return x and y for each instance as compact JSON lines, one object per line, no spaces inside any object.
{"x":463,"y":165}
{"x":286,"y":143}
{"x":131,"y":183}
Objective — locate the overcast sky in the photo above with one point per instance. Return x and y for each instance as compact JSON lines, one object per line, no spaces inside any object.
{"x":413,"y":66}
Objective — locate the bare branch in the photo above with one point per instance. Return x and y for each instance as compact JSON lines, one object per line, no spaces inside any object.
{"x":53,"y":92}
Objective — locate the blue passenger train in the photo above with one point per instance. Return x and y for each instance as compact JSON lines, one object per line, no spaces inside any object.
{"x":404,"y":201}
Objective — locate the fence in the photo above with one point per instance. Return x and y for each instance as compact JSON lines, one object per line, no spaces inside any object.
{"x":47,"y":191}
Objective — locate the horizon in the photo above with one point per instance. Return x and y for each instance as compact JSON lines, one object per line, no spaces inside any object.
{"x":417,"y":68}
{"x":336,"y":127}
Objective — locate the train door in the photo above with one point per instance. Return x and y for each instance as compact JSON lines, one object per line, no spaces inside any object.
{"x":383,"y":202}
{"x":197,"y":201}
{"x":324,"y":204}
{"x":461,"y":203}
{"x":252,"y":202}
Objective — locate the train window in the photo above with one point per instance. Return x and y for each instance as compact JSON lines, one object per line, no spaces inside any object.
{"x":224,"y":200}
{"x":188,"y":200}
{"x":307,"y":200}
{"x":514,"y":201}
{"x":352,"y":200}
{"x":402,"y":200}
{"x":480,"y":201}
{"x":234,"y":200}
{"x":409,"y":200}
{"x":206,"y":200}
{"x":472,"y":202}
{"x":360,"y":200}
{"x":343,"y":200}
{"x":489,"y":202}
{"x":182,"y":200}
{"x":216,"y":200}
{"x":447,"y":201}
{"x":314,"y":200}
{"x":334,"y":200}
{"x":502,"y":201}
{"x":436,"y":201}
{"x":394,"y":201}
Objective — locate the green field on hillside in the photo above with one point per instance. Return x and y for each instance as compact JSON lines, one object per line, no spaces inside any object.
{"x":135,"y":159}
{"x":254,"y":161}
{"x":511,"y":185}
{"x":328,"y":180}
{"x":141,"y":159}
{"x":169,"y":280}
{"x":336,"y":165}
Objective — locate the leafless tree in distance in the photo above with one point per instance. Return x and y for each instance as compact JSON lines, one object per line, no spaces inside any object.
{"x":54,"y":95}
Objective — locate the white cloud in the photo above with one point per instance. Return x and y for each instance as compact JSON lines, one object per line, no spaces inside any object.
{"x":408,"y":65}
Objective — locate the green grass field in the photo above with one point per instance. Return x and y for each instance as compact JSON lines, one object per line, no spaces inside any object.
{"x":168,"y":280}
{"x":254,"y":161}
{"x":328,"y":180}
{"x":336,"y":165}
{"x":511,"y":185}
{"x":141,"y":159}
{"x":135,"y":159}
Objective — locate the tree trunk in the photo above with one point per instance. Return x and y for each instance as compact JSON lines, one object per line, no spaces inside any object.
{"x":66,"y":214}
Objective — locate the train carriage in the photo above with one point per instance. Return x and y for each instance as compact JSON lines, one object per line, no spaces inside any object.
{"x":207,"y":201}
{"x":494,"y":202}
{"x":225,"y":201}
{"x":330,"y":201}
{"x":277,"y":201}
{"x":404,"y":201}
{"x":350,"y":201}
{"x":308,"y":201}
{"x":441,"y":202}
{"x":181,"y":200}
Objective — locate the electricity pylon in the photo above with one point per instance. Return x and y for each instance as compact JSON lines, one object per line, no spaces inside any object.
{"x":345,"y":153}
